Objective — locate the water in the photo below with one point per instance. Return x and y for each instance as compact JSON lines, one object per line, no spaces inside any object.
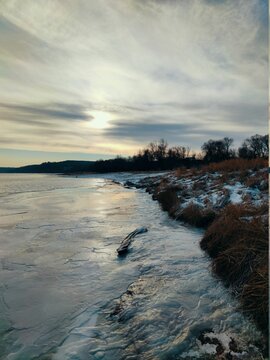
{"x":64,"y":290}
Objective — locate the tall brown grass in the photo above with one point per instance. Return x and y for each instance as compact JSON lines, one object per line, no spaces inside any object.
{"x":196,"y":216}
{"x":236,"y":165}
{"x":226,"y":166}
{"x":168,"y":199}
{"x":238,"y":242}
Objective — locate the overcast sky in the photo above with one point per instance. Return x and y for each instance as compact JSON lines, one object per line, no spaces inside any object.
{"x":89,"y":79}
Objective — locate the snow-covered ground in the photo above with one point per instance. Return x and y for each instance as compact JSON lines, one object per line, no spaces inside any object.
{"x":214,"y":190}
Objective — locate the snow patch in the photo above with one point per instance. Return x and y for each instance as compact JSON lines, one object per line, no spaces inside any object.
{"x":236,"y":192}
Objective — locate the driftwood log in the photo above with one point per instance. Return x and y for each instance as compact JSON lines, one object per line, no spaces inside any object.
{"x":123,"y":248}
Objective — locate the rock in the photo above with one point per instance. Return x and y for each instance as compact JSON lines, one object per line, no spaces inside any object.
{"x":206,"y":339}
{"x":225,"y":346}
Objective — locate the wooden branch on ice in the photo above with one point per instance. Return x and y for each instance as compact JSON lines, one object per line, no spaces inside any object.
{"x":123,"y":248}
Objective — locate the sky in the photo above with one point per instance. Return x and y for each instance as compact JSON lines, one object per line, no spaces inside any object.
{"x":92,"y":79}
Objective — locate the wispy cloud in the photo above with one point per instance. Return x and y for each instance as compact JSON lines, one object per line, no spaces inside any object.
{"x":183,"y":70}
{"x":53,"y":110}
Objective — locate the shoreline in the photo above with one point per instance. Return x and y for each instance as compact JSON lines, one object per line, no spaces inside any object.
{"x":232,"y":207}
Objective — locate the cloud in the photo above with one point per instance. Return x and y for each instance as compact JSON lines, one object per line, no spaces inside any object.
{"x":144,"y":130}
{"x":176,"y":133}
{"x":54,"y":111}
{"x":182,"y":70}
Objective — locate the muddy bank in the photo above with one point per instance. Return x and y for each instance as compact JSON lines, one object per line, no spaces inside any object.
{"x":232,"y":207}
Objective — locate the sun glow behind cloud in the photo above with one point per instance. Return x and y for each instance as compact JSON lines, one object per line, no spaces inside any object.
{"x":99,"y":119}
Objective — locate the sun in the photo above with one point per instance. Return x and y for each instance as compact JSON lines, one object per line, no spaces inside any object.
{"x":100,"y":119}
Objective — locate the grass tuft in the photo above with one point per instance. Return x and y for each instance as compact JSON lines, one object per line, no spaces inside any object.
{"x":168,"y":199}
{"x":196,"y":216}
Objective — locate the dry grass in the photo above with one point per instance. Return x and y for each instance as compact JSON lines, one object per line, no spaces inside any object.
{"x":253,"y":182}
{"x":194,"y":215}
{"x":184,"y":172}
{"x":191,"y":214}
{"x":254,"y":296}
{"x":231,"y":227}
{"x":240,"y":250}
{"x":258,"y":180}
{"x":236,"y":165}
{"x":226,"y":166}
{"x":199,"y":185}
{"x":168,"y":199}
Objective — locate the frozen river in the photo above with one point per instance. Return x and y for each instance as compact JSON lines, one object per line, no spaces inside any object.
{"x":65,"y":294}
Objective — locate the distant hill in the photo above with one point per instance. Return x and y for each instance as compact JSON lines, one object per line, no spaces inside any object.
{"x":68,"y":166}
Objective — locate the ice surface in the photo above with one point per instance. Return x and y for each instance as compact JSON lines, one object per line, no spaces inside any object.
{"x":61,"y":277}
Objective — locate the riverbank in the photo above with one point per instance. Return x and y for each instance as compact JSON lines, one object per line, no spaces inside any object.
{"x":229,"y":200}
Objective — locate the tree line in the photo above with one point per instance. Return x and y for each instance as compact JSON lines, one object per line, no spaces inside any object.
{"x":159,"y":156}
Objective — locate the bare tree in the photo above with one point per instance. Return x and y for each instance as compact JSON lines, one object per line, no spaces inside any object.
{"x":217,"y":150}
{"x":255,"y":146}
{"x":158,"y":150}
